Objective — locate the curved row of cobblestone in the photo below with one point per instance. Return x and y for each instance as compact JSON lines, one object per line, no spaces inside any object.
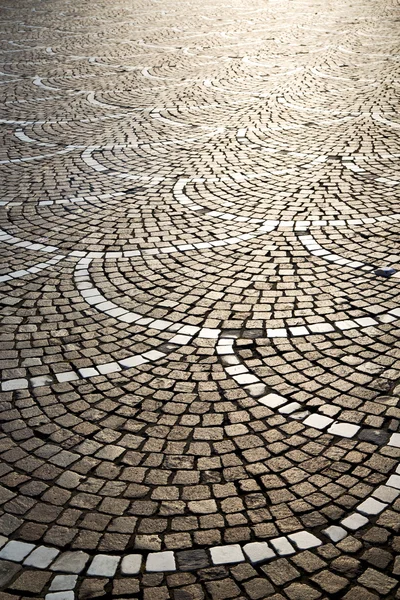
{"x":200,"y":377}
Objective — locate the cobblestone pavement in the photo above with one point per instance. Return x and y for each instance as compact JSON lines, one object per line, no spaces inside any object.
{"x":201,"y":376}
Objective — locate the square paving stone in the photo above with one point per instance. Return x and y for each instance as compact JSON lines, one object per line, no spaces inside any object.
{"x":258,"y":588}
{"x":103,"y":565}
{"x":386,"y":494}
{"x":63,"y":582}
{"x":160,"y":562}
{"x":131,"y":564}
{"x":354,"y":522}
{"x":92,"y":588}
{"x":377,"y":581}
{"x":301,"y":591}
{"x":282,"y":546}
{"x":42,"y":557}
{"x":360,"y":593}
{"x":371,"y":506}
{"x":225,"y":555}
{"x":304,"y":540}
{"x":222,"y":589}
{"x":329,"y":582}
{"x":126,"y":587}
{"x":16,"y":551}
{"x":71,"y":562}
{"x":258,"y":552}
{"x":191,"y":560}
{"x":281,"y":571}
{"x":8,"y":570}
{"x":31,"y":581}
{"x":335,"y":533}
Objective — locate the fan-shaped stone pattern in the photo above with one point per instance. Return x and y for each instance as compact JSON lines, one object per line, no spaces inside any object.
{"x":200,"y":225}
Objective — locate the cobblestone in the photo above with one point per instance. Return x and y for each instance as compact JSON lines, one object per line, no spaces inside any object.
{"x":200,"y":300}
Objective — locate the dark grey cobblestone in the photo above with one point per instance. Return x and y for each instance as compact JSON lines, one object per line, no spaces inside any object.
{"x":200,"y":373}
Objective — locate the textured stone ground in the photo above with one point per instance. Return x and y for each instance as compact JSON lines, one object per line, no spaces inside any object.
{"x":200,"y":366}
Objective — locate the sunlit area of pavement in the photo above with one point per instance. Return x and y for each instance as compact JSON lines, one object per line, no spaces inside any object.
{"x":200,"y":227}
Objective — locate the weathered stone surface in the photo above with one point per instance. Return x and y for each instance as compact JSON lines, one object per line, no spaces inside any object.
{"x":191,"y":560}
{"x":199,"y":347}
{"x":377,"y":581}
{"x":7,"y":571}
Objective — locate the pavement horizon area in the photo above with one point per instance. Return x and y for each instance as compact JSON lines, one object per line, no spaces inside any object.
{"x":200,"y":358}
